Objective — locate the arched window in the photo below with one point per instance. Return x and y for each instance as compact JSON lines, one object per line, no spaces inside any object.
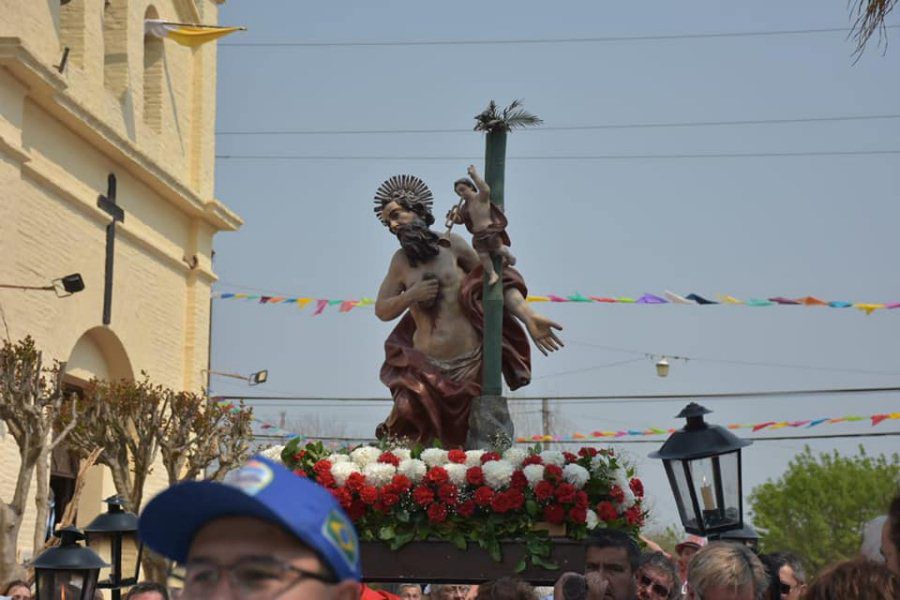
{"x":71,"y":31}
{"x":115,"y":46}
{"x":153,"y":76}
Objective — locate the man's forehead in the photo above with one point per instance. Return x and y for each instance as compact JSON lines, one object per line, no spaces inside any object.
{"x":609,"y":554}
{"x":655,"y":573}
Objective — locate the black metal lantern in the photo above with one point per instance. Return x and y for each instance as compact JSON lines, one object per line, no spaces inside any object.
{"x":113,"y":535}
{"x":746,"y":535}
{"x":703,"y":463}
{"x":68,"y":571}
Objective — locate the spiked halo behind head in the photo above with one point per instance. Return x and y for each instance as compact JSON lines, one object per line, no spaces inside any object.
{"x":403,"y":187}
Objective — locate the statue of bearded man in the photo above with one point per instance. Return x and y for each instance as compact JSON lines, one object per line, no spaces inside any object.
{"x":433,"y":356}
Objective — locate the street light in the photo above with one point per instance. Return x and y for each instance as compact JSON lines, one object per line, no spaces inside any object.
{"x":252,"y":379}
{"x":113,"y":534}
{"x":63,"y":286}
{"x":68,"y":571}
{"x":662,"y":367}
{"x":703,"y":463}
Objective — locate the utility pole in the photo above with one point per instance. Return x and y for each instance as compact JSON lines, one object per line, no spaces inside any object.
{"x":546,"y":423}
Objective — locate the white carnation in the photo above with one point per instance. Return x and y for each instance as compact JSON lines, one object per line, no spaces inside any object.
{"x":401,"y":453}
{"x":412,"y":468}
{"x":473,"y":458}
{"x":365,"y":455}
{"x":597,"y":462}
{"x":576,"y":475}
{"x":592,"y":519}
{"x":341,"y":471}
{"x":435,"y":457}
{"x":629,"y":497}
{"x":273,"y":453}
{"x":497,"y":473}
{"x":337,"y":457}
{"x":515,"y":456}
{"x":456,"y":473}
{"x":553,"y":457}
{"x":534,"y":474}
{"x":379,"y":473}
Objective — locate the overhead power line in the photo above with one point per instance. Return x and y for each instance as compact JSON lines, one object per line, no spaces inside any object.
{"x":607,"y":126}
{"x":573,"y":157}
{"x":522,"y":41}
{"x":593,"y":398}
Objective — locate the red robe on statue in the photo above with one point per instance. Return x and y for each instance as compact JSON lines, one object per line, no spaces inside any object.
{"x":428,"y":404}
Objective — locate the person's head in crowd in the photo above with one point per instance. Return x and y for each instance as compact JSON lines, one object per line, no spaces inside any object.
{"x":855,"y":579}
{"x":506,"y":588}
{"x":686,"y":550}
{"x":613,"y":555}
{"x":772,"y":563}
{"x":17,"y":590}
{"x":449,"y":591}
{"x":656,"y":578}
{"x":409,"y":591}
{"x":726,"y":571}
{"x":890,"y":537}
{"x":791,"y":576}
{"x":871,"y":539}
{"x":265,"y":533}
{"x":148,"y":590}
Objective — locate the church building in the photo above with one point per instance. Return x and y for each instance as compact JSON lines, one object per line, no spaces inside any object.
{"x":107,"y":164}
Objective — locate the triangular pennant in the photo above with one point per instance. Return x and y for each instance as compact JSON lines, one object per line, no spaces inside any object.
{"x":651,"y":299}
{"x":320,"y":306}
{"x":675,"y":298}
{"x":699,"y":299}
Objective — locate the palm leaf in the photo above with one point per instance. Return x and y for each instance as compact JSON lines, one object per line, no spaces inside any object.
{"x":869,"y":17}
{"x":512,"y":117}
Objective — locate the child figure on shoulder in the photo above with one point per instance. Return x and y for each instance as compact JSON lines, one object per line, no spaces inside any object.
{"x":484,"y":220}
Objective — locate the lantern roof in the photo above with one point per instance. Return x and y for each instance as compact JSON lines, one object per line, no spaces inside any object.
{"x":698,"y":439}
{"x":69,"y":556}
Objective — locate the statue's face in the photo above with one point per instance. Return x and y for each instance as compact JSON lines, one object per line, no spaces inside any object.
{"x":464,"y":191}
{"x":393,"y":215}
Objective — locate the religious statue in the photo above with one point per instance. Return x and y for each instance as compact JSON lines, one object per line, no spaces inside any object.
{"x":433,"y":356}
{"x":484,"y":220}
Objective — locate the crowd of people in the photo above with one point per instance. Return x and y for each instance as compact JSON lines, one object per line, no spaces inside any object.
{"x":269,"y":534}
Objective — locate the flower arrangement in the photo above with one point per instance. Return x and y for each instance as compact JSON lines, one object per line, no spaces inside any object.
{"x":398,"y":495}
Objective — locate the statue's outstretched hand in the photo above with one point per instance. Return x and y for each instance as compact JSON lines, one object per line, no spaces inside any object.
{"x":541,"y":330}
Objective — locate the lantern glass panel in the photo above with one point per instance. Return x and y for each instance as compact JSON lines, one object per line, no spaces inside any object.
{"x":131,"y":557}
{"x":682,"y":490}
{"x":55,"y":584}
{"x":102,"y":543}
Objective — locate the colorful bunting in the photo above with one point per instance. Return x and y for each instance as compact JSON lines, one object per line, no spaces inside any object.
{"x":667,"y":297}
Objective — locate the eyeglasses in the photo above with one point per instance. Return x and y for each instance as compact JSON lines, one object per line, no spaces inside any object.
{"x":657,"y":588}
{"x":785,"y":588}
{"x":252,"y":578}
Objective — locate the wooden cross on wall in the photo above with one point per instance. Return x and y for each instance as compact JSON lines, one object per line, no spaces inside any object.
{"x":108,"y":205}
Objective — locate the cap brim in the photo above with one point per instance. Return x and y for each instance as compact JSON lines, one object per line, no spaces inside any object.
{"x":683,"y":545}
{"x":170,"y":521}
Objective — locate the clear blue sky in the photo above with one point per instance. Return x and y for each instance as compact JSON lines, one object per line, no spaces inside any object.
{"x":749,"y":227}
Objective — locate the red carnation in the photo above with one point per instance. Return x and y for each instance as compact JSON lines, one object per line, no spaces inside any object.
{"x":634,"y":515}
{"x":570,"y":458}
{"x":436,"y":475}
{"x":588,"y":452}
{"x":325,"y":479}
{"x":554,"y":514}
{"x":518,"y":480}
{"x":300,"y":473}
{"x":578,"y":515}
{"x":447,"y":493}
{"x":357,"y":510}
{"x":475,"y":476}
{"x":457,"y":456}
{"x":617,"y":494}
{"x":356,"y":481}
{"x":606,"y":511}
{"x":500,"y":503}
{"x":322,"y":465}
{"x":483,"y":496}
{"x":581,"y":499}
{"x":565,"y":493}
{"x":534,"y":459}
{"x":299,"y":454}
{"x":389,"y":498}
{"x":389,"y":458}
{"x":369,"y":494}
{"x":423,"y":496}
{"x":467,"y":508}
{"x":401,"y":483}
{"x":637,"y":486}
{"x":552,"y":473}
{"x":488,"y":456}
{"x":437,"y":513}
{"x":515,"y":498}
{"x":343,"y":496}
{"x":543,"y":490}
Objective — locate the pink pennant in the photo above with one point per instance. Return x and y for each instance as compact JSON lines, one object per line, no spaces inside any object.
{"x":347,"y":305}
{"x":557,"y":298}
{"x":876,"y":419}
{"x":799,"y":423}
{"x":763,"y":425}
{"x":320,"y":306}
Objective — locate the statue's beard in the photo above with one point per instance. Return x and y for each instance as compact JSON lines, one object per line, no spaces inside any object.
{"x":419,"y":243}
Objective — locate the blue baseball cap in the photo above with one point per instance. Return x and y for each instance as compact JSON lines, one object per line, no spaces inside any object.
{"x":262,"y":489}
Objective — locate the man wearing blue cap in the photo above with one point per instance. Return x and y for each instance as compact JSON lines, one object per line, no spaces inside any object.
{"x":264,"y":534}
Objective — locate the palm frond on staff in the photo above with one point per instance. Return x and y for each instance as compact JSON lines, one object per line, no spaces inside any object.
{"x":869,"y":17}
{"x":511,"y":117}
